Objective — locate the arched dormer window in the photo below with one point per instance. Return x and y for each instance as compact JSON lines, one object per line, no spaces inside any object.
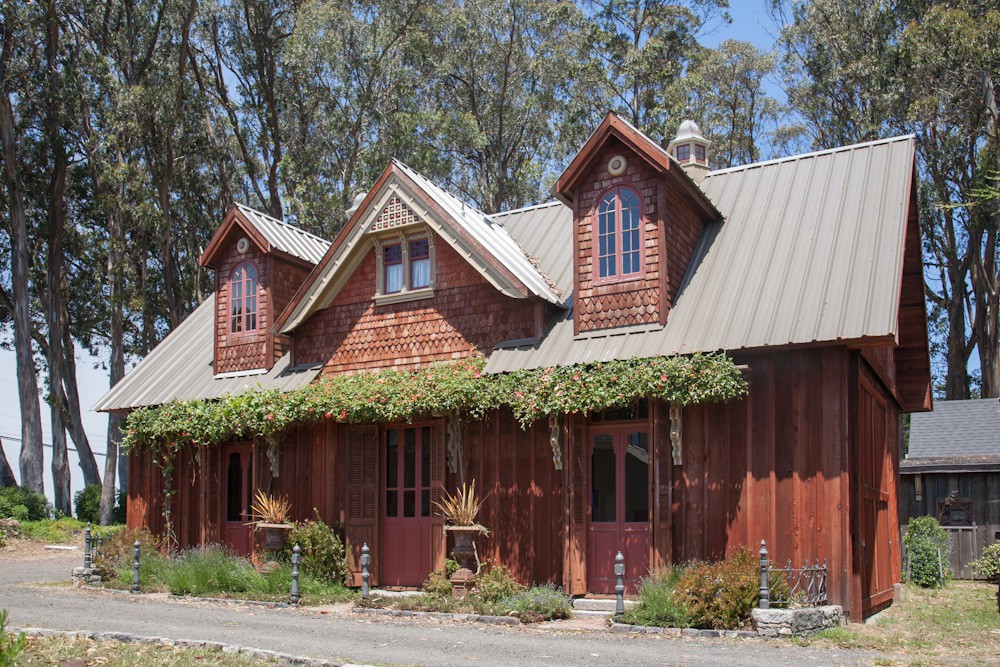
{"x":243,"y":299}
{"x":618,"y":250}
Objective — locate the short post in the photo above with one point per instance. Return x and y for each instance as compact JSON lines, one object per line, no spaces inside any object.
{"x":765,"y":589}
{"x":100,"y":545}
{"x":86,"y":547}
{"x":619,"y":585}
{"x":135,"y":567}
{"x":296,"y":559}
{"x":366,"y":559}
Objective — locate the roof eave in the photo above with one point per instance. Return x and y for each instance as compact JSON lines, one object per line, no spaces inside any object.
{"x":235,"y":217}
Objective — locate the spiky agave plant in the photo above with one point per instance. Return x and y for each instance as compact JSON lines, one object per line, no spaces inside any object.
{"x":269,"y":509}
{"x":462,"y":507}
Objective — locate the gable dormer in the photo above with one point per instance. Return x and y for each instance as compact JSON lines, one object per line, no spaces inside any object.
{"x":637,"y":219}
{"x":259,"y":264}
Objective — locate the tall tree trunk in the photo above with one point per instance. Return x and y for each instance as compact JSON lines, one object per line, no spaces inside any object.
{"x":6,"y":474}
{"x":31,"y":462}
{"x":117,"y":370}
{"x":73,"y":416}
{"x":55,"y":313}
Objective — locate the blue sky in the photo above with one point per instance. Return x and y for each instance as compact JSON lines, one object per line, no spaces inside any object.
{"x":750,"y":22}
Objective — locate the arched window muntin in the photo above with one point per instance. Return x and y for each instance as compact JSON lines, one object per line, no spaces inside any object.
{"x":243,"y":299}
{"x":618,"y":235}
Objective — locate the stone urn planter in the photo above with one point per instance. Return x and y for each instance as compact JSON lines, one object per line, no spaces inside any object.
{"x":467,"y":556}
{"x":275,"y":535}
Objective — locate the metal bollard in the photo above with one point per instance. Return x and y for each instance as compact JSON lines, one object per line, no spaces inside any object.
{"x":619,"y":585}
{"x":366,"y":560}
{"x":135,"y":567}
{"x":100,"y":545}
{"x":296,"y":559}
{"x":86,"y":548}
{"x":765,"y":588}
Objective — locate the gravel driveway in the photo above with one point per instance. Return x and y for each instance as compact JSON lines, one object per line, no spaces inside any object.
{"x":381,"y":640}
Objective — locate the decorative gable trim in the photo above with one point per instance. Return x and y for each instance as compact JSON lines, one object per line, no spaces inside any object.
{"x":397,"y":201}
{"x":235,"y":218}
{"x":648,"y":150}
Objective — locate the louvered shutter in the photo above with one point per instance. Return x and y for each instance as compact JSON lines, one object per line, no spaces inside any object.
{"x":438,"y":470}
{"x":661,"y":488}
{"x":362,"y":497}
{"x":575,"y":548}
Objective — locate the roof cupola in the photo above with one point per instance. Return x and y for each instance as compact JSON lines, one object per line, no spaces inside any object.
{"x":690,"y":149}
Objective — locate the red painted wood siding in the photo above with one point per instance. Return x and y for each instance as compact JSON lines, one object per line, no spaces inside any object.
{"x":465,"y":314}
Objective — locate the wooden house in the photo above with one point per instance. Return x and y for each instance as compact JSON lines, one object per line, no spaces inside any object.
{"x":805,"y":270}
{"x":952,"y":471}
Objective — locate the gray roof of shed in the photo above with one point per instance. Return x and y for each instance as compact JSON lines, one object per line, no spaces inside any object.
{"x":180,"y":368}
{"x":956,"y":430}
{"x":287,"y":238}
{"x":810,"y":250}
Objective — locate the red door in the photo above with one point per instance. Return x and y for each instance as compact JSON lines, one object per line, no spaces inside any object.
{"x":619,"y":506}
{"x":405,"y":538}
{"x":237,"y":466}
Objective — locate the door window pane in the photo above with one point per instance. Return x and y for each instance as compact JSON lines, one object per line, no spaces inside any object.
{"x":409,"y":458}
{"x":392,"y":503}
{"x":249,"y":487}
{"x":234,"y":487}
{"x":425,"y":502}
{"x":602,"y":480}
{"x":425,"y":456}
{"x":409,"y":503}
{"x":391,"y":458}
{"x":637,"y":477}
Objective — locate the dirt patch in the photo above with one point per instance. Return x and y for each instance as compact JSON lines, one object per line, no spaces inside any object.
{"x":20,"y":550}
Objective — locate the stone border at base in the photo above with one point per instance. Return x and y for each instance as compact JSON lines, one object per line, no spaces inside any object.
{"x":796,"y":622}
{"x":441,"y":616}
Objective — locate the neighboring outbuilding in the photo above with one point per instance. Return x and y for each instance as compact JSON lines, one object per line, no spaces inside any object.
{"x":952,"y":472}
{"x":805,"y":271}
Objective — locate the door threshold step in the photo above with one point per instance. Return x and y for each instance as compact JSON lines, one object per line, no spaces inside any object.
{"x":588,"y":613}
{"x":606,"y":605}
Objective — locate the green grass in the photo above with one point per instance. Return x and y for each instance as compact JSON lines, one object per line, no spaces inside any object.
{"x":61,"y":530}
{"x":215,"y":573}
{"x":532,"y":605}
{"x":66,"y":650}
{"x":658,"y":606}
{"x":929,"y":625}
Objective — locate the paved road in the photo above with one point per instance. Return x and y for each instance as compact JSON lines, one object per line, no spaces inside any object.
{"x":367,"y":640}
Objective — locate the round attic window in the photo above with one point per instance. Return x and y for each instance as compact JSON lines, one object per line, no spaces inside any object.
{"x":243,"y":245}
{"x":616,"y":165}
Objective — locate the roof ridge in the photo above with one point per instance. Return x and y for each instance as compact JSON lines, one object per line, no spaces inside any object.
{"x":802,"y":156}
{"x":282,"y":222}
{"x":554,"y":202}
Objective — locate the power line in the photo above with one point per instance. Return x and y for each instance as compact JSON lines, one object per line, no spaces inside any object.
{"x":46,"y":444}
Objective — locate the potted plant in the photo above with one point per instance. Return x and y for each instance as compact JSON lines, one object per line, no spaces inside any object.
{"x":271,"y":515}
{"x":460,"y":511}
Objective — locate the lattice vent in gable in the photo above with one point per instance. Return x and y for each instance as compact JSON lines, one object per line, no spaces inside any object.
{"x":395,"y":214}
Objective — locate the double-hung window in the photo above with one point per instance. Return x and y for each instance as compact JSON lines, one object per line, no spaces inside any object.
{"x":405,"y":266}
{"x":619,"y":235}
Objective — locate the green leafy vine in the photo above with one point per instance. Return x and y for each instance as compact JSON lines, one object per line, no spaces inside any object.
{"x":459,"y":386}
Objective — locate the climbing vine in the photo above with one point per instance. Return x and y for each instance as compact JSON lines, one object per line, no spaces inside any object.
{"x":457,"y":386}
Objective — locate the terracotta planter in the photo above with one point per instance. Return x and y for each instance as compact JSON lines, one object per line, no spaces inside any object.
{"x":275,"y":535}
{"x":467,"y":557}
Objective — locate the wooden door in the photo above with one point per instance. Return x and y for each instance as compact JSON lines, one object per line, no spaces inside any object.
{"x":407,"y":515}
{"x":237,"y":472}
{"x":619,"y":505}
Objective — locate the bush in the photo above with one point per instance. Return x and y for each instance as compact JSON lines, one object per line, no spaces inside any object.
{"x":323,"y":554}
{"x":24,"y":505}
{"x":720,"y":595}
{"x":116,"y":551}
{"x":118,"y":516}
{"x":10,"y":646}
{"x":3,"y":539}
{"x":52,"y":531}
{"x":928,"y":548}
{"x":87,"y":503}
{"x":988,"y":566}
{"x":658,"y":605}
{"x":496,"y":583}
{"x":539,"y":603}
{"x":439,"y":581}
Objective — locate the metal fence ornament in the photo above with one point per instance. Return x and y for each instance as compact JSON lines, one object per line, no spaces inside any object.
{"x":135,"y":567}
{"x":765,"y":588}
{"x":86,"y":547}
{"x":366,"y":560}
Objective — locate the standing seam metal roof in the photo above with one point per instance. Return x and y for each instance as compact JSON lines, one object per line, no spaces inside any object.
{"x":810,"y":250}
{"x":285,"y":237}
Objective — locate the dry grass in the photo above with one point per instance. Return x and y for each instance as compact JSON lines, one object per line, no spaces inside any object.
{"x":73,"y":652}
{"x":956,"y":623}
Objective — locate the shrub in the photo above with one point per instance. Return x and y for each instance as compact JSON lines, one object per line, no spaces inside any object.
{"x":118,"y":516}
{"x":87,"y":503}
{"x":116,"y":550}
{"x":539,"y":603}
{"x":988,"y":565}
{"x":323,"y":554}
{"x":24,"y":505}
{"x":53,"y":531}
{"x":720,"y":595}
{"x":10,"y":646}
{"x":439,"y":581}
{"x":496,"y":583}
{"x":658,"y":605}
{"x":928,"y":548}
{"x":3,"y":539}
